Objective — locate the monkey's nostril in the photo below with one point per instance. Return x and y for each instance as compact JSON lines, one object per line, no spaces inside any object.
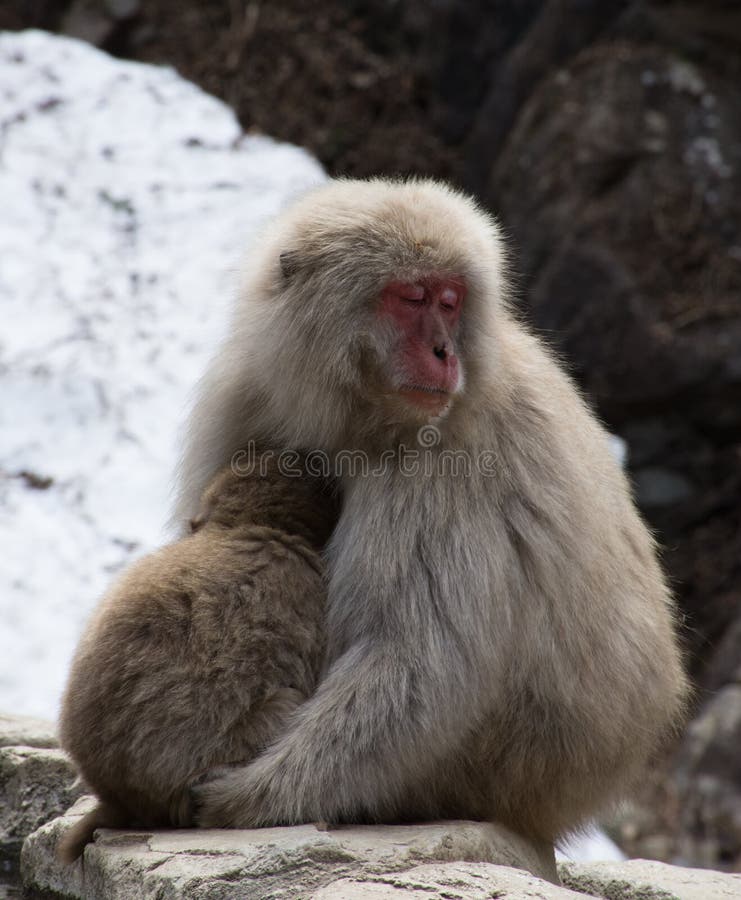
{"x":440,"y":351}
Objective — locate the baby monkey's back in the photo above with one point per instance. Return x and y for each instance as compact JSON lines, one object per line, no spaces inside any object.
{"x":200,"y":651}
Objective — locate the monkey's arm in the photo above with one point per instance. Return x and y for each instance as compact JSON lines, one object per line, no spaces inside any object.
{"x":377,"y":722}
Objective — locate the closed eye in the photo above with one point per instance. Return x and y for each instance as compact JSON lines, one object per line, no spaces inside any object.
{"x":449,"y":299}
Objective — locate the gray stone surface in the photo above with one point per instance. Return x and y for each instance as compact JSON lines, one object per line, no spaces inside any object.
{"x":261,"y":863}
{"x":439,"y":861}
{"x":36,"y":784}
{"x":447,"y":881}
{"x":27,"y":732}
{"x":641,"y":879}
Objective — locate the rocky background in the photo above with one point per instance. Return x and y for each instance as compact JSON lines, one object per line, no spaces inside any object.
{"x":606,"y":134}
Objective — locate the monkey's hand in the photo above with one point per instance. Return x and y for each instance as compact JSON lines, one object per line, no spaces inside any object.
{"x":289,"y":784}
{"x":349,"y":753}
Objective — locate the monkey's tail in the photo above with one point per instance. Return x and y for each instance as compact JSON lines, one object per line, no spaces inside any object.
{"x":73,"y":842}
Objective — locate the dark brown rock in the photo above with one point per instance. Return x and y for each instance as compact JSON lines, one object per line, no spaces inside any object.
{"x":621,"y":185}
{"x":708,"y":777}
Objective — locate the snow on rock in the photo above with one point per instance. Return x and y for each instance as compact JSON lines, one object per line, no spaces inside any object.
{"x":127,"y":197}
{"x":592,"y":845}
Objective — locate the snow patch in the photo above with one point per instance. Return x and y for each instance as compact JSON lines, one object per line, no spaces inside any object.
{"x":127,"y":198}
{"x":592,"y":845}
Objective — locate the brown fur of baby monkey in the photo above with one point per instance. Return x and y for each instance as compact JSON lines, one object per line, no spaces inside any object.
{"x":199,"y":653}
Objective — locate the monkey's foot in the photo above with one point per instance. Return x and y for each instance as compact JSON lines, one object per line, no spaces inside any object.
{"x":233,"y":798}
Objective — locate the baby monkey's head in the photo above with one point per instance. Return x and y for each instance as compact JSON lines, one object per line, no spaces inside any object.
{"x":272,"y":494}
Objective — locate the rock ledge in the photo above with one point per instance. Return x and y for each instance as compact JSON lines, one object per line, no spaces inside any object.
{"x":271,"y":862}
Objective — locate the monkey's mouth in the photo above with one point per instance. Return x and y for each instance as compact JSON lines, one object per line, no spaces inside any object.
{"x":427,"y":397}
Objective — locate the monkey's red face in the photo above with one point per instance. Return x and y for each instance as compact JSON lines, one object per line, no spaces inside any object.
{"x":425,"y":315}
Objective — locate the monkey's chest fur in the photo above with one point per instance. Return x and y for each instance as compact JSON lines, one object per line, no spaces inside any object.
{"x":513,"y":626}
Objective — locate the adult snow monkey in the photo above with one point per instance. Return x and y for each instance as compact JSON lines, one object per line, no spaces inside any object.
{"x":501,"y":644}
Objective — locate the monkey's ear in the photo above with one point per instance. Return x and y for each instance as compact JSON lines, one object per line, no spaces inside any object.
{"x":290,"y":262}
{"x":197,"y":522}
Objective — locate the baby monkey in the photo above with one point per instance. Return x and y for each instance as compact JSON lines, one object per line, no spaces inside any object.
{"x":199,"y":653}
